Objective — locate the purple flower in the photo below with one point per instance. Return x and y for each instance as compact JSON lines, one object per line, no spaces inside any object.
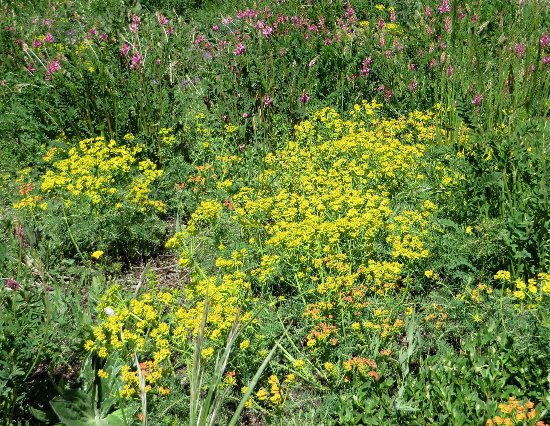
{"x":11,"y":284}
{"x":267,"y":31}
{"x":477,"y":100}
{"x":304,"y":97}
{"x":267,"y":101}
{"x":546,"y":60}
{"x":349,"y":12}
{"x":36,"y":44}
{"x":445,"y":7}
{"x":520,"y":50}
{"x":215,"y":28}
{"x":544,"y":40}
{"x":48,"y":38}
{"x":52,"y":67}
{"x":381,"y":23}
{"x":124,"y":49}
{"x":239,"y":50}
{"x":103,"y":36}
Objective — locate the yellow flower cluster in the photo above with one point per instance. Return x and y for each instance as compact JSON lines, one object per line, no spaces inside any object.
{"x":139,"y":327}
{"x":100,"y":171}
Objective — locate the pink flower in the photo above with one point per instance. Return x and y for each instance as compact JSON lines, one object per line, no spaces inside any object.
{"x":381,"y":23}
{"x":239,"y":50}
{"x":392,"y":15}
{"x":245,"y":115}
{"x":450,"y":71}
{"x":428,"y":12}
{"x":366,"y":66}
{"x":36,"y":44}
{"x":124,"y":49}
{"x":448,"y":24}
{"x":137,"y":60}
{"x":412,"y":67}
{"x":30,"y":68}
{"x":267,"y":101}
{"x":163,"y":20}
{"x":349,"y":12}
{"x":328,"y":41}
{"x":413,"y":85}
{"x":477,"y":100}
{"x":544,"y":40}
{"x":304,"y":97}
{"x":11,"y":284}
{"x":103,"y":36}
{"x":520,"y":50}
{"x":215,"y":28}
{"x":546,"y":60}
{"x":227,"y":21}
{"x":134,"y":26}
{"x":445,"y":7}
{"x":267,"y":31}
{"x":474,"y":18}
{"x":52,"y":67}
{"x":48,"y":38}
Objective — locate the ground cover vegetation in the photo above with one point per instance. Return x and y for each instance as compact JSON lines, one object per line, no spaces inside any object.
{"x":275,"y":212}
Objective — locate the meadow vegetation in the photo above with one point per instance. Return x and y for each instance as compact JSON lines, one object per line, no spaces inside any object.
{"x":283,"y":212}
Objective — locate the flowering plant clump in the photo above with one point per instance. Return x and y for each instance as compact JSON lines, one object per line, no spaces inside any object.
{"x":339,"y":239}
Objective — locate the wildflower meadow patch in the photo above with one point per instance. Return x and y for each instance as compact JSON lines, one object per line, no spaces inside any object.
{"x":255,"y":213}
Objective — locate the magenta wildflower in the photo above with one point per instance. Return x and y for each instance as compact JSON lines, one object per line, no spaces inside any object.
{"x":137,"y":60}
{"x":30,"y":68}
{"x":52,"y":67}
{"x":48,"y":38}
{"x":227,"y":21}
{"x":267,"y":31}
{"x":413,"y":85}
{"x":382,"y":41}
{"x":366,"y":66}
{"x":304,"y":97}
{"x":245,"y":115}
{"x":381,"y":23}
{"x":242,"y":147}
{"x":428,"y":12}
{"x":412,"y":67}
{"x":134,"y":25}
{"x":215,"y":28}
{"x":103,"y":36}
{"x":239,"y":50}
{"x":163,"y":20}
{"x":328,"y":41}
{"x":124,"y":49}
{"x":267,"y":101}
{"x":445,"y":7}
{"x":450,"y":71}
{"x":474,"y":18}
{"x":349,"y":12}
{"x":170,"y":30}
{"x":546,"y":60}
{"x":544,"y":40}
{"x":520,"y":50}
{"x":448,"y":24}
{"x":36,"y":43}
{"x":392,"y":15}
{"x":11,"y":284}
{"x":477,"y":100}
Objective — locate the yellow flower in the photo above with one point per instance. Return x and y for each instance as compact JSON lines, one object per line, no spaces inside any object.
{"x":97,"y":254}
{"x":261,"y":394}
{"x":103,"y":374}
{"x":244,"y":344}
{"x":207,"y":352}
{"x":89,"y":345}
{"x":102,"y":352}
{"x":299,"y":363}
